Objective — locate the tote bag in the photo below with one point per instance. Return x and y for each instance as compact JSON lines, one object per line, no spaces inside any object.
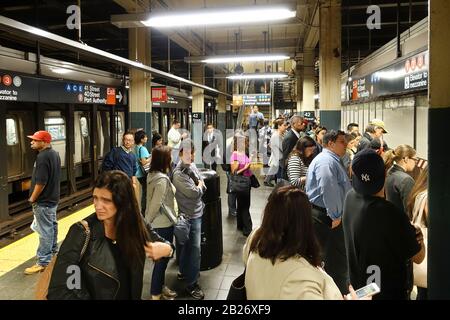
{"x":239,"y":183}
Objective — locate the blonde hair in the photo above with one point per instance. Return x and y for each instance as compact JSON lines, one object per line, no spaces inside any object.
{"x":402,"y":151}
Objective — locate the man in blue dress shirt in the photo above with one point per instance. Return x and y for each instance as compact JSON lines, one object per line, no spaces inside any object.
{"x":327,"y":184}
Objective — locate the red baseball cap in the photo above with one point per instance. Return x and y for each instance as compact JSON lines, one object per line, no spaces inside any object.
{"x":41,"y":136}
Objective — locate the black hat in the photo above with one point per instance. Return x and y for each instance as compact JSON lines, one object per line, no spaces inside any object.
{"x":368,"y":172}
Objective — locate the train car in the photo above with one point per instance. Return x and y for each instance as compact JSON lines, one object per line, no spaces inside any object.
{"x":170,"y":103}
{"x":85,"y":111}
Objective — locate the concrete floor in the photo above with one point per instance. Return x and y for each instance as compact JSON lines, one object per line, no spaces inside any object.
{"x":15,"y":285}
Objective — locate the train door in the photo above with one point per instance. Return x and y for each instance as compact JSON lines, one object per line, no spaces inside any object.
{"x":13,"y":147}
{"x":165,"y":124}
{"x":120,"y":127}
{"x":103,"y":133}
{"x":155,"y":120}
{"x":82,"y":152}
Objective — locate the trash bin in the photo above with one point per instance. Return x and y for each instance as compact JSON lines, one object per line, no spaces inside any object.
{"x":211,"y":245}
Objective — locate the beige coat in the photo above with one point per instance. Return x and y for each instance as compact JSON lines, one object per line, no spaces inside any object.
{"x":293,"y":279}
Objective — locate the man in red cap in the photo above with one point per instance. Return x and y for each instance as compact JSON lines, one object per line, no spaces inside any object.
{"x":44,"y":198}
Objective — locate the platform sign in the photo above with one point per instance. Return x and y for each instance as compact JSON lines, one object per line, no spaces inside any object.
{"x":262,"y":99}
{"x":159,"y":94}
{"x":57,"y":91}
{"x":405,"y":75}
{"x":309,"y":115}
{"x":17,"y":87}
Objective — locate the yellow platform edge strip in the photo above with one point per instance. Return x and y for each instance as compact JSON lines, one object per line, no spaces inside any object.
{"x":22,"y":250}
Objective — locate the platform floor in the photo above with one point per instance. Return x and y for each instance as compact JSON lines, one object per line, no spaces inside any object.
{"x":14,"y":258}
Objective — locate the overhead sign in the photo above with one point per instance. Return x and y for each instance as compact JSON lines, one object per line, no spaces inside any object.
{"x":159,"y":94}
{"x":14,"y":87}
{"x":257,"y":99}
{"x":405,"y":75}
{"x":309,"y":115}
{"x":17,"y":87}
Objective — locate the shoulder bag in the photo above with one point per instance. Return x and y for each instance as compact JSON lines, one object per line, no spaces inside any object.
{"x":44,"y":280}
{"x":145,"y":168}
{"x":239,"y":183}
{"x":420,"y":270}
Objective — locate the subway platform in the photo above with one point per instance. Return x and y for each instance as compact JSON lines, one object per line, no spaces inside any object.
{"x":20,"y":254}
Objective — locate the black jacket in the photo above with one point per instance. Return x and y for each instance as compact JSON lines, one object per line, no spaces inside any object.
{"x":99,"y":276}
{"x":289,"y":141}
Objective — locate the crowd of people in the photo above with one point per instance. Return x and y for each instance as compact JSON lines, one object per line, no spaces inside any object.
{"x":345,"y":209}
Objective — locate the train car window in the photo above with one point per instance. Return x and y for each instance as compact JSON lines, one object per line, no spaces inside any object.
{"x":84,"y":127}
{"x":56,"y":127}
{"x":11,"y":132}
{"x":119,"y":126}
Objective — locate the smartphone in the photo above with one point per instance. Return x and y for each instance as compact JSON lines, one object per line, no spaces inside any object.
{"x":367,"y":291}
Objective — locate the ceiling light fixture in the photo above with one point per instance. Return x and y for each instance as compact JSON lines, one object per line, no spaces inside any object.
{"x":257,"y":76}
{"x":244,"y":58}
{"x":222,"y":16}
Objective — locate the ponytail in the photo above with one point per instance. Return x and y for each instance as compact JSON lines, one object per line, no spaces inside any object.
{"x":389,"y":158}
{"x":399,"y":153}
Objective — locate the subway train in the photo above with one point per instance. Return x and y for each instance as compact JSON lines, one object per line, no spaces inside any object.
{"x":85,"y":111}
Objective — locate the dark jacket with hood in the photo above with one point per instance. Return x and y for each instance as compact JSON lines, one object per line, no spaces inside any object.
{"x":99,"y":275}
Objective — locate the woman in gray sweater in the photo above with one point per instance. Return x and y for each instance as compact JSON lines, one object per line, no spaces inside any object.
{"x":160,"y":199}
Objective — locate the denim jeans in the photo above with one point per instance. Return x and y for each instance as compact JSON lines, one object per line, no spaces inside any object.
{"x":190,"y":253}
{"x":143,"y":182}
{"x":159,"y":270}
{"x":46,"y":225}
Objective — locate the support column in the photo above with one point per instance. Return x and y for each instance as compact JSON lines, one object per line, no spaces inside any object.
{"x":222,"y":106}
{"x":299,"y":86}
{"x":330,"y":64}
{"x":308,"y":91}
{"x":140,"y":105}
{"x":198,"y":112}
{"x":439,"y":168}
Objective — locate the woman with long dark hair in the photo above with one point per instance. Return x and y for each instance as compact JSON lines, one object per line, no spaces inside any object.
{"x":298,"y":161}
{"x":113,"y":264}
{"x":283,"y":257}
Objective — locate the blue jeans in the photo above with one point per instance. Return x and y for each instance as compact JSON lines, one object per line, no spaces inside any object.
{"x":159,"y":270}
{"x":46,"y":225}
{"x":190,"y":253}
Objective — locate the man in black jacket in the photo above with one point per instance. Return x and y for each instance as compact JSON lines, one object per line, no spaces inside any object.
{"x":375,"y":129}
{"x":291,"y":138}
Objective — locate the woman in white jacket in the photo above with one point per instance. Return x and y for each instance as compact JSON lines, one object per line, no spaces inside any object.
{"x":282,"y":256}
{"x":160,"y":200}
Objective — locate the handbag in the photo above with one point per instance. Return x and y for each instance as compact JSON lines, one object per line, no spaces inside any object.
{"x":237,"y":289}
{"x":181,"y":230}
{"x":44,"y":280}
{"x":254,"y":183}
{"x":145,"y":168}
{"x":420,"y":270}
{"x":239,"y":183}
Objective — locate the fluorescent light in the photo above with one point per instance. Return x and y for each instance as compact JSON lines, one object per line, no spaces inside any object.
{"x":229,"y":59}
{"x":243,"y":15}
{"x":316,"y":97}
{"x":60,"y":70}
{"x":258,"y":76}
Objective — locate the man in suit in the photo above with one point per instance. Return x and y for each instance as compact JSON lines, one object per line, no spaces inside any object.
{"x":291,"y":138}
{"x":212,"y":139}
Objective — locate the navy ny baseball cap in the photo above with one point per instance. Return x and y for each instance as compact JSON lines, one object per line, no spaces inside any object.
{"x":368,"y":172}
